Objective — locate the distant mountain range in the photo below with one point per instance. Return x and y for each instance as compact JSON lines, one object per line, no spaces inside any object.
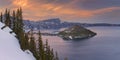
{"x":58,"y":24}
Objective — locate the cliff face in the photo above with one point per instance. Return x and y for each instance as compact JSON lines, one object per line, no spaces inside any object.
{"x":76,"y":32}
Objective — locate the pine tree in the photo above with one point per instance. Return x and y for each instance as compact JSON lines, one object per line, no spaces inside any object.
{"x":49,"y":54}
{"x":19,"y":28}
{"x":7,"y":18}
{"x":52,"y":54}
{"x":26,"y":42}
{"x":1,"y":17}
{"x":41,"y":47}
{"x":14,"y":25}
{"x":32,"y":46}
{"x":40,"y":51}
{"x":56,"y":58}
{"x":46,"y":50}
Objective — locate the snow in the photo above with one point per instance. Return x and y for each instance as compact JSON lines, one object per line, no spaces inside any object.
{"x":70,"y":37}
{"x":10,"y":48}
{"x":1,"y":24}
{"x":6,"y":29}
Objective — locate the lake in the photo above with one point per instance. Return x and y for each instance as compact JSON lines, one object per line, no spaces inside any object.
{"x":104,"y":46}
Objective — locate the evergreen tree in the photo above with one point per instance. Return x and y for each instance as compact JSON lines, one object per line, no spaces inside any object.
{"x":7,"y":18}
{"x":56,"y":58}
{"x":39,"y":50}
{"x":46,"y":50}
{"x":49,"y":54}
{"x":14,"y":25}
{"x":1,"y":17}
{"x":41,"y":47}
{"x":19,"y":28}
{"x":32,"y":46}
{"x":26,"y":42}
{"x":52,"y":54}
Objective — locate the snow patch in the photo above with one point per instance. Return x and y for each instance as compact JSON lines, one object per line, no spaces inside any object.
{"x":10,"y":48}
{"x":6,"y":29}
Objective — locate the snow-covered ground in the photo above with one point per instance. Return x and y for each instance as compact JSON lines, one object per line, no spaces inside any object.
{"x":10,"y":48}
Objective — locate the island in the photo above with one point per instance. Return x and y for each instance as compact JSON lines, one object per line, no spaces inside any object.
{"x":76,"y":33}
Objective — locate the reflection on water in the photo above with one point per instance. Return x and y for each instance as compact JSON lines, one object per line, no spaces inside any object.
{"x":104,"y":46}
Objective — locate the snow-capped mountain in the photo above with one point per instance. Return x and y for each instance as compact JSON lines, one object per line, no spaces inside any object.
{"x":9,"y":46}
{"x":58,"y":24}
{"x":48,"y":24}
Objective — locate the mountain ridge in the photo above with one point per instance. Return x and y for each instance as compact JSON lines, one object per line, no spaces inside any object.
{"x":56,"y":23}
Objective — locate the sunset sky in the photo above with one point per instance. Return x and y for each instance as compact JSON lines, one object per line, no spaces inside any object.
{"x":92,"y":11}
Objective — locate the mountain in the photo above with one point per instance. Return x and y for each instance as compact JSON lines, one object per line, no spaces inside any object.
{"x":58,"y":24}
{"x":76,"y":32}
{"x":46,"y":24}
{"x":9,"y":46}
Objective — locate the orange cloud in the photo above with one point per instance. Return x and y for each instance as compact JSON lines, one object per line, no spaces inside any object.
{"x":42,"y":10}
{"x":105,"y":10}
{"x":21,"y":3}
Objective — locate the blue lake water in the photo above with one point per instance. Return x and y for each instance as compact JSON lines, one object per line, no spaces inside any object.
{"x":104,"y":46}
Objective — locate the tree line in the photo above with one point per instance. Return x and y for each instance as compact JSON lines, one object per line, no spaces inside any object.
{"x":27,"y":40}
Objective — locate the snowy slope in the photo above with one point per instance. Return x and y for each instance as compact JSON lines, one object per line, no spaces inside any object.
{"x":10,"y":48}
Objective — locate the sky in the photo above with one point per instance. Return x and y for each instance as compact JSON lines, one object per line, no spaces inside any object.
{"x":87,"y":11}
